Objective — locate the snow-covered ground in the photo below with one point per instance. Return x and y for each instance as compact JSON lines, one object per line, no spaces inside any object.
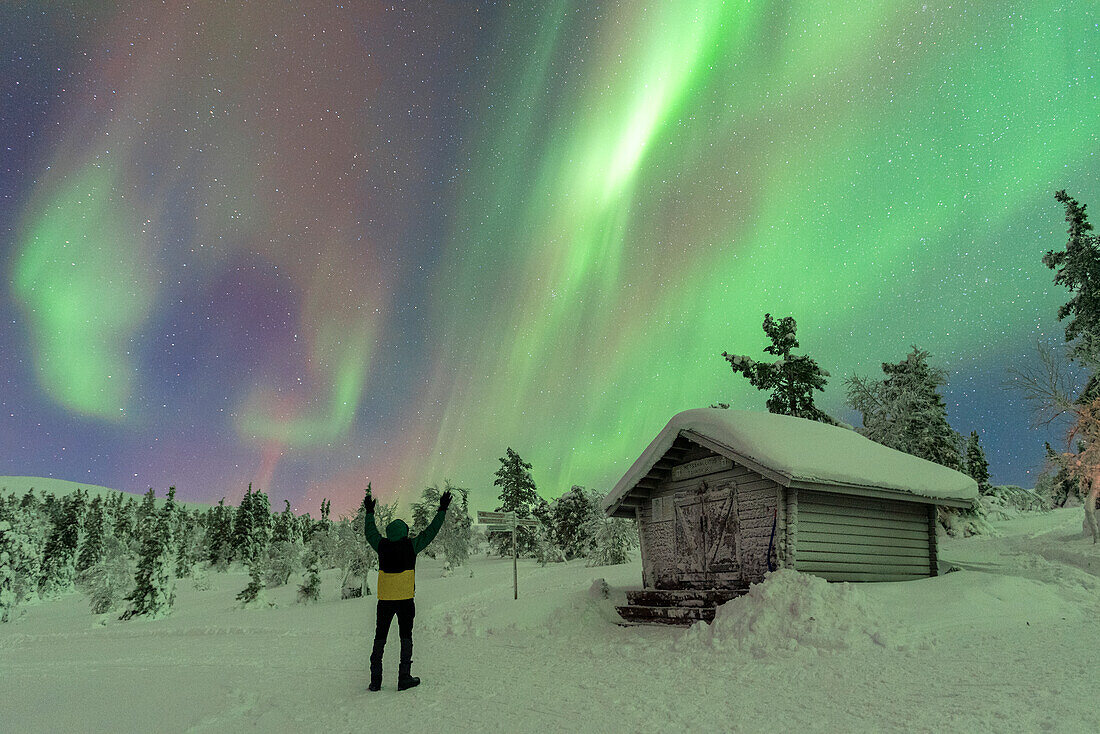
{"x":1006,"y":644}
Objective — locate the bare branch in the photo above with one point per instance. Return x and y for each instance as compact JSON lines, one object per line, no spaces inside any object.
{"x":1046,"y":387}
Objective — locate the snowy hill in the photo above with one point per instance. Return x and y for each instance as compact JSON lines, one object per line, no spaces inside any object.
{"x":1004,"y":644}
{"x":61,"y":487}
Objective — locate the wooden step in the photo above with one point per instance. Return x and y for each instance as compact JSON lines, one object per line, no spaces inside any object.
{"x":682,"y":616}
{"x":682,"y":597}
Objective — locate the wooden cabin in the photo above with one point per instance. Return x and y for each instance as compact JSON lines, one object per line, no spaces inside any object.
{"x":724,"y":496}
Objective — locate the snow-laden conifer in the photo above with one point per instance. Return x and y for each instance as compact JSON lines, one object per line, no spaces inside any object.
{"x":571,"y":517}
{"x":517,"y":494}
{"x":218,"y":541}
{"x":310,"y":589}
{"x":153,"y":595}
{"x":18,"y":564}
{"x":91,"y":549}
{"x":107,"y":581}
{"x":253,"y":593}
{"x":59,"y":556}
{"x":905,"y":411}
{"x":977,"y":466}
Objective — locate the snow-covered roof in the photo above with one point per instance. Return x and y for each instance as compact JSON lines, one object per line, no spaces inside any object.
{"x":802,"y":450}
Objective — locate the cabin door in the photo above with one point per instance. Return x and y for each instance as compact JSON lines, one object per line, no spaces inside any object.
{"x":708,"y":538}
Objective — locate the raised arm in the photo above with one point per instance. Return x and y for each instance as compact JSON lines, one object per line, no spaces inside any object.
{"x":421,"y":541}
{"x":369,"y":528}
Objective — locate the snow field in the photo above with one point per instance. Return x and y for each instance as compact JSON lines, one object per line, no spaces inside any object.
{"x":1004,"y":644}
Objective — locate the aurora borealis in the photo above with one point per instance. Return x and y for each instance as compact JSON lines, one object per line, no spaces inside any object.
{"x":310,"y":245}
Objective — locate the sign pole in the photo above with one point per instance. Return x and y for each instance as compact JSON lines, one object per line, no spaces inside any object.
{"x":507,"y":522}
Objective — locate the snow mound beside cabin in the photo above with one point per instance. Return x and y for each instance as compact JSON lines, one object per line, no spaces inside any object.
{"x":790,"y":610}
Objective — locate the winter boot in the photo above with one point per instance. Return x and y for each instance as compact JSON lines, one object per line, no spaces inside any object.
{"x":376,"y":669}
{"x":375,"y":678}
{"x":405,"y":679}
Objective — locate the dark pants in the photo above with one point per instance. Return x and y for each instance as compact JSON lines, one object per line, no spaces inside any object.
{"x":405,"y":611}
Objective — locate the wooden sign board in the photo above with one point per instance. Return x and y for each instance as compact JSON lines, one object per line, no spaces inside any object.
{"x":709,"y":465}
{"x":499,"y":528}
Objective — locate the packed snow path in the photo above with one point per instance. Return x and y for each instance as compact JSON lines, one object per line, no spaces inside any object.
{"x":1005,"y":644}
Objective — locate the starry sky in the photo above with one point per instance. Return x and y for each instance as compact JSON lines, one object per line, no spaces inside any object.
{"x":314,"y":244}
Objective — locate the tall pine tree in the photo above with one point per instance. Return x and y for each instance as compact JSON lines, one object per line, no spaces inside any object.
{"x":792,"y":379}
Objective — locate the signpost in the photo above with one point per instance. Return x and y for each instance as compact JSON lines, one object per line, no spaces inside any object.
{"x":506,"y":522}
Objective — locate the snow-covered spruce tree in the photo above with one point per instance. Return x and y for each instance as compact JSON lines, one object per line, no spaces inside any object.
{"x":219,"y":536}
{"x":517,"y":494}
{"x":153,"y":592}
{"x":261,"y":523}
{"x":91,"y":549}
{"x":253,"y":594}
{"x":791,"y":379}
{"x":976,"y":464}
{"x":123,"y":514}
{"x":18,"y":563}
{"x":27,"y":541}
{"x":59,"y":557}
{"x":310,"y":588}
{"x":906,"y":412}
{"x":107,"y":581}
{"x":283,"y":528}
{"x":243,"y":532}
{"x":188,"y":543}
{"x":145,"y":508}
{"x":571,"y":522}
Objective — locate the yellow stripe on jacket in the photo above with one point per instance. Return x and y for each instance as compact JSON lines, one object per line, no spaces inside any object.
{"x":393,"y":586}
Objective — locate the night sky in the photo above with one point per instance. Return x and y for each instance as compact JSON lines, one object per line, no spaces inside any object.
{"x":313,"y":244}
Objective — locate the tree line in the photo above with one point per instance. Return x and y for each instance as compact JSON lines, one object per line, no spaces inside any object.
{"x":126,"y":555}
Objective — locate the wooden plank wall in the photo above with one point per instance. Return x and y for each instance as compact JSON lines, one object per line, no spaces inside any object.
{"x":758,"y":500}
{"x":846,"y":538}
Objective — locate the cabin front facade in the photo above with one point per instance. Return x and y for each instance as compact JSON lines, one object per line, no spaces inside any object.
{"x":723,"y":496}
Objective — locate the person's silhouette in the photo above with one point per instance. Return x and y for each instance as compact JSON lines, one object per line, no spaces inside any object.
{"x":396,"y":586}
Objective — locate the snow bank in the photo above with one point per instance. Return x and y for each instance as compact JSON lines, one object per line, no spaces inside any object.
{"x":791,"y":610}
